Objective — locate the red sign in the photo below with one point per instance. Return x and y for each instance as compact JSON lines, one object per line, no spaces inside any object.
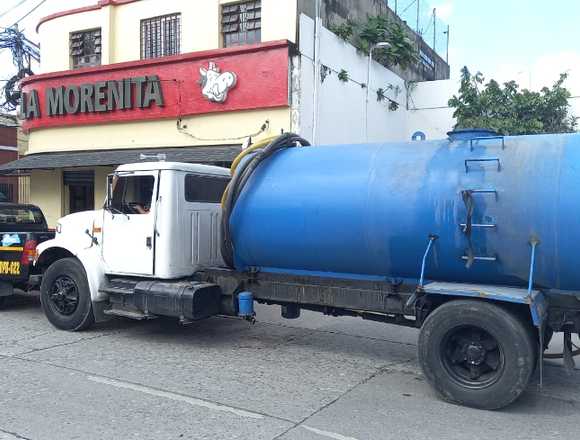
{"x":233,"y":79}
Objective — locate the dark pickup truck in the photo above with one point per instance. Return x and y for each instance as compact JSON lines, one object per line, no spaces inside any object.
{"x":22,"y":228}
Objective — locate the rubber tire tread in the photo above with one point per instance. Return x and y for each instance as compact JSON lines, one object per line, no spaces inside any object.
{"x":83,"y":316}
{"x":513,"y":336}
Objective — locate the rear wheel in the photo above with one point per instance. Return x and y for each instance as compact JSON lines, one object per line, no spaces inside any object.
{"x":3,"y":301}
{"x":65,"y":295}
{"x":476,"y":353}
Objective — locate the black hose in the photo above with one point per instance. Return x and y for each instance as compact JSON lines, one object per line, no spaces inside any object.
{"x":560,"y":355}
{"x":239,"y":181}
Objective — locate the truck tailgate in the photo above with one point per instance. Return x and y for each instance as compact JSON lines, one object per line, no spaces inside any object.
{"x":11,"y":249}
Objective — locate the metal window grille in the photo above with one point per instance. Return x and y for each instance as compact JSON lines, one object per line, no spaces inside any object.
{"x":85,"y":48}
{"x":242,"y":23}
{"x":160,"y":36}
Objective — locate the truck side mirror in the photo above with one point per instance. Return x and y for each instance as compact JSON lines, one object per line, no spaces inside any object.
{"x":109,"y":199}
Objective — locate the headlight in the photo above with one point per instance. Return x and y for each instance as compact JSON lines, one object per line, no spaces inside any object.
{"x":58,"y":228}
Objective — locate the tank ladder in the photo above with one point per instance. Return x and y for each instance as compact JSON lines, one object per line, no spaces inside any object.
{"x":469,"y":201}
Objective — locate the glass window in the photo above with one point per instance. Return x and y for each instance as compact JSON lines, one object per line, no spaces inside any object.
{"x":160,"y":36}
{"x":132,"y":194}
{"x":85,"y":48}
{"x":242,"y":23}
{"x":205,"y":189}
{"x":21,"y":215}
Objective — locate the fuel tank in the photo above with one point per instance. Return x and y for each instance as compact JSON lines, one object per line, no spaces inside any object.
{"x":367,"y":211}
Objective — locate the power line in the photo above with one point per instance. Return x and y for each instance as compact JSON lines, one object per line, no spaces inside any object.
{"x":407,"y":8}
{"x":29,"y":12}
{"x":12,"y":8}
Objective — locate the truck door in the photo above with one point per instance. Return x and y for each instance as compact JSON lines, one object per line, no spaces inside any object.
{"x":128,"y":242}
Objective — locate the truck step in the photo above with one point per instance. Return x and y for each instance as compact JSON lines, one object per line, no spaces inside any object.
{"x":132,"y":314}
{"x":116,"y":290}
{"x":120,"y":286}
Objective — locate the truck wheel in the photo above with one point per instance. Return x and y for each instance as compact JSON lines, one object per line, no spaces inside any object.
{"x":3,"y":301}
{"x":65,"y":296}
{"x":476,"y":354}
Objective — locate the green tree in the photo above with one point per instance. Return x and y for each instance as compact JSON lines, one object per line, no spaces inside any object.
{"x":509,"y":110}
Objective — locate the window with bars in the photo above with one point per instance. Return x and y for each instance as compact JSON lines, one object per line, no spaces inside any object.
{"x":160,"y":36}
{"x":242,"y":23}
{"x":85,"y":48}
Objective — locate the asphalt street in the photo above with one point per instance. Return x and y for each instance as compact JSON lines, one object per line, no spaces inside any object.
{"x":314,"y":378}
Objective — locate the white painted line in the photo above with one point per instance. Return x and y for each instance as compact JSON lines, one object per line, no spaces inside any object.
{"x":327,"y":434}
{"x":176,"y":397}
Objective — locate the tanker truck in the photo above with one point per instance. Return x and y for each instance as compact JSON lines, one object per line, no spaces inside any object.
{"x":470,"y":239}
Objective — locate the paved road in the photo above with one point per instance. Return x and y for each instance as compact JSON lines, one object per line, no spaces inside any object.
{"x":315,"y":378}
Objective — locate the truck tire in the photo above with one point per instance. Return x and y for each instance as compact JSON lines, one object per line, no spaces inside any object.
{"x":3,"y":301}
{"x":65,"y":295}
{"x":476,"y":353}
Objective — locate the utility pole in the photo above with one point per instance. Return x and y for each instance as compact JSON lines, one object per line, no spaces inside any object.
{"x":418,"y":11}
{"x":447,"y":55}
{"x":315,"y":97}
{"x":435,"y":29}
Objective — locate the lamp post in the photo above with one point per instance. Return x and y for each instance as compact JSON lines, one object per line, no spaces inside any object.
{"x":380,"y":45}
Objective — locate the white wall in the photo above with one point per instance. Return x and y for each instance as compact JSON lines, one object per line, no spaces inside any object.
{"x":341,"y":106}
{"x":121,"y":29}
{"x":428,"y":109}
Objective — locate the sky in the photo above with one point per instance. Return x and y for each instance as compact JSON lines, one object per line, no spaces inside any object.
{"x":530,"y":41}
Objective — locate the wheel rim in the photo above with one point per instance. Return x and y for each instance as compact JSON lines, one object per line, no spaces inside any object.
{"x":64,"y":295}
{"x":472,"y":357}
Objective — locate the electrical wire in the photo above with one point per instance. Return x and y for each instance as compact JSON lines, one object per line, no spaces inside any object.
{"x":29,"y":12}
{"x":407,"y":8}
{"x":183,"y":129}
{"x":12,"y":8}
{"x":242,"y":173}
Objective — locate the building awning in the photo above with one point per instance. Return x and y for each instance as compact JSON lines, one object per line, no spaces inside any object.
{"x":50,"y":161}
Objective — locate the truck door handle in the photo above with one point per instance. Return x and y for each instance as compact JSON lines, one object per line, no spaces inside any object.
{"x":148,"y":242}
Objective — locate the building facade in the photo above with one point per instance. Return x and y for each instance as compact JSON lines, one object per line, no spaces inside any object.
{"x":8,"y":152}
{"x":129,"y":80}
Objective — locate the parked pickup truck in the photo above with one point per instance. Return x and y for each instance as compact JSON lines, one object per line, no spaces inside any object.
{"x":22,"y":228}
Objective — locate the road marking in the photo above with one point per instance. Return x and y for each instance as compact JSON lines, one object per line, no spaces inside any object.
{"x":176,"y":397}
{"x":327,"y":434}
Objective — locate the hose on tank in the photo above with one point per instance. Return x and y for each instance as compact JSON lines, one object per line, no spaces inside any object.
{"x":241,"y":173}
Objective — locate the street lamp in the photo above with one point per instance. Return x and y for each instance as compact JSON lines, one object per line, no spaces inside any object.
{"x":380,"y":45}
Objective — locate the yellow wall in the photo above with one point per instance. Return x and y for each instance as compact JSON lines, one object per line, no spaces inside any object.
{"x":210,"y":129}
{"x":46,"y":192}
{"x":49,"y":193}
{"x":101,"y":174}
{"x":120,"y":28}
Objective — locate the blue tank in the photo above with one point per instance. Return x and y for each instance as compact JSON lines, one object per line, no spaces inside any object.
{"x":367,"y":211}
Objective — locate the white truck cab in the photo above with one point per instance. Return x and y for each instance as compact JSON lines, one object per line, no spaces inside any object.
{"x":161,"y":220}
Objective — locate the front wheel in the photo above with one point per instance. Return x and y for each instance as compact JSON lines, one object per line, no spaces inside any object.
{"x":476,"y":354}
{"x":65,"y":295}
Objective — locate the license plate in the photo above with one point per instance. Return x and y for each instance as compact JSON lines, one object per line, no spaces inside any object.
{"x":9,"y":267}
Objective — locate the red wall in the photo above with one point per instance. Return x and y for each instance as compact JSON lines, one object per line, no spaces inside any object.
{"x":8,"y":137}
{"x":262,"y":72}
